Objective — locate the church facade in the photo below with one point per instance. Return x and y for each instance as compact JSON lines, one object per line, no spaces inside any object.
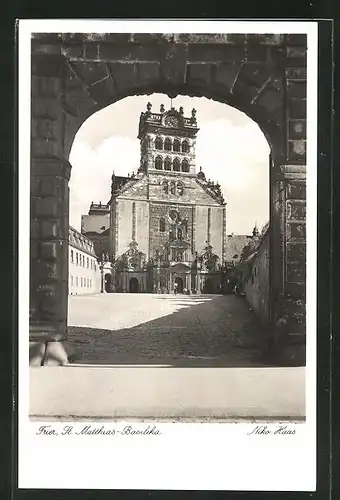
{"x":167,"y":230}
{"x":168,"y":223}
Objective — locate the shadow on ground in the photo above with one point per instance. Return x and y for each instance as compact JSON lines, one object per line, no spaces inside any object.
{"x":203,"y":331}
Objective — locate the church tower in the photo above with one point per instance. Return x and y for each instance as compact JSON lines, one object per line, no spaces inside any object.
{"x":168,"y":141}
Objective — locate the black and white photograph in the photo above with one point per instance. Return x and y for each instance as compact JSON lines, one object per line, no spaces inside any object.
{"x":166,"y":210}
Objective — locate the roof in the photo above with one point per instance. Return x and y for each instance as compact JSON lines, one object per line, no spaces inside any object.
{"x":80,"y":241}
{"x":99,"y":208}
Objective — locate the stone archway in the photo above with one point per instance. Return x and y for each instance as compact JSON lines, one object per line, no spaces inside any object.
{"x":74,"y":75}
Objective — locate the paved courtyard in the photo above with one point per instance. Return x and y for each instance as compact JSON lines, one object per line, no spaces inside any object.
{"x":166,"y":330}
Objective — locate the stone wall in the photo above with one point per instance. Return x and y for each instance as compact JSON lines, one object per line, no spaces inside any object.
{"x":256,"y":283}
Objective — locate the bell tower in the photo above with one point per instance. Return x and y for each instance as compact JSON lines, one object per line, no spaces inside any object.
{"x":167,"y":141}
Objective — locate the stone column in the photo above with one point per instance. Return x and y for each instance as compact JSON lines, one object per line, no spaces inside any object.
{"x":288,"y":263}
{"x":50,"y":173}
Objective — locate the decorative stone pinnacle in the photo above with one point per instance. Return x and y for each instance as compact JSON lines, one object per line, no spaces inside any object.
{"x":149,"y":106}
{"x":193,"y":112}
{"x":181,"y":110}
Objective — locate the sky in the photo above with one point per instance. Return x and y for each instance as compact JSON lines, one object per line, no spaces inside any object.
{"x":230,"y":148}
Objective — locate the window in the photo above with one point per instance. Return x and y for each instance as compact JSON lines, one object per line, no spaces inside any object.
{"x":162,"y":225}
{"x":83,"y":260}
{"x":185,"y":147}
{"x":71,"y":256}
{"x":71,"y":280}
{"x":90,"y":282}
{"x":179,"y":234}
{"x":77,"y":281}
{"x":166,"y":187}
{"x":81,"y":282}
{"x":167,"y":144}
{"x":167,"y":163}
{"x":177,"y":165}
{"x":87,"y":262}
{"x":179,"y":188}
{"x":185,"y":165}
{"x":159,"y":163}
{"x":176,"y":145}
{"x":172,"y":188}
{"x":77,"y":258}
{"x":159,"y":143}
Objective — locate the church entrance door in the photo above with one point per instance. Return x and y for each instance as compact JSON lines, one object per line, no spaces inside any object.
{"x":179,"y":285}
{"x":134,"y":285}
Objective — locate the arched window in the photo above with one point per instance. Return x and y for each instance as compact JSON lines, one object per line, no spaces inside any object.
{"x":176,"y":145}
{"x":162,"y":225}
{"x":166,"y":187}
{"x":167,"y":144}
{"x":167,"y":163}
{"x":185,"y":165}
{"x":185,"y":147}
{"x":172,"y":188}
{"x":179,"y":234}
{"x":179,"y":188}
{"x":176,"y":165}
{"x":159,"y":143}
{"x":159,"y":163}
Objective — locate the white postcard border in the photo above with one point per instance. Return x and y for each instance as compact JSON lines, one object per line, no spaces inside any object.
{"x":186,"y":456}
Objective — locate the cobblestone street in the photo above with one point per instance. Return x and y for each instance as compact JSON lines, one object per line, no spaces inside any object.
{"x":138,"y":329}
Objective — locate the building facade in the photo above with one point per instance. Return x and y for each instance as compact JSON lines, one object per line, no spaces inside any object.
{"x":167,"y":222}
{"x":84,"y":273}
{"x":96,"y":226}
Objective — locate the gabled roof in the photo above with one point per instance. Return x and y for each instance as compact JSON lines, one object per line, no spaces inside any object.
{"x":179,"y":244}
{"x":212,"y":191}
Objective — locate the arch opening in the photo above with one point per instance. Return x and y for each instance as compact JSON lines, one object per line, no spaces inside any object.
{"x":264,"y":107}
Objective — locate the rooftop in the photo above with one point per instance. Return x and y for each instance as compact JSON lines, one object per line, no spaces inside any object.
{"x":173,"y":119}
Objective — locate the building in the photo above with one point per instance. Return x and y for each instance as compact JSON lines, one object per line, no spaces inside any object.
{"x":167,"y":221}
{"x":85,"y":275}
{"x":252,"y":274}
{"x":96,"y":226}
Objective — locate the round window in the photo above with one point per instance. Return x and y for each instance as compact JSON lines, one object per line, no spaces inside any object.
{"x":173,"y":215}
